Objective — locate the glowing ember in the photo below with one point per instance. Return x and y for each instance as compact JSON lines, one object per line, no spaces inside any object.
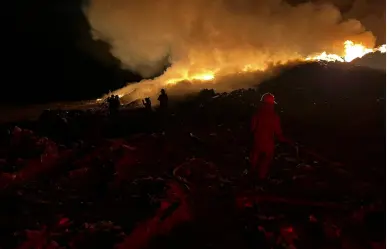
{"x":201,"y":77}
{"x":325,"y":57}
{"x":205,"y":77}
{"x":251,"y":68}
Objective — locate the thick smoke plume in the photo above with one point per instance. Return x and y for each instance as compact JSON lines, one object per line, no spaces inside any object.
{"x":219,"y":36}
{"x":372,"y":14}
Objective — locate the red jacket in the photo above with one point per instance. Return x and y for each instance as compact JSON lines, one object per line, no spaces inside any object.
{"x":266,"y":126}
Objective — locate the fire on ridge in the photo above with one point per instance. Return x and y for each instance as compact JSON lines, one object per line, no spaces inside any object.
{"x":350,"y":52}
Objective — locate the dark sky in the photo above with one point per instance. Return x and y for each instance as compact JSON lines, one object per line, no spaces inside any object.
{"x":49,"y":55}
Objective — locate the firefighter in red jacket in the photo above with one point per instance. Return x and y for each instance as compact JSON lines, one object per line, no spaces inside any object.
{"x":265,"y":126}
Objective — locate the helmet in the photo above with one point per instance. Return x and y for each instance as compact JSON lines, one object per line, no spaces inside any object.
{"x":268,"y":98}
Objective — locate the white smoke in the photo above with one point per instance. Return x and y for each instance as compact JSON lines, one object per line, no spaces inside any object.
{"x":219,"y":35}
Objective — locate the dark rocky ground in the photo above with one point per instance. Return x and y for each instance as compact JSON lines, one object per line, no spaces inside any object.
{"x":137,"y":181}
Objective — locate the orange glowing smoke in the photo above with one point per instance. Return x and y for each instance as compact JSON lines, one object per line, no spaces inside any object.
{"x":195,"y":73}
{"x":351,"y":52}
{"x":200,"y":76}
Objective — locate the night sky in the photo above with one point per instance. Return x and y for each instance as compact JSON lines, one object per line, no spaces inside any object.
{"x":48,"y":53}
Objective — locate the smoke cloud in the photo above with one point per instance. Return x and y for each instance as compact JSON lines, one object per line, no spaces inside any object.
{"x":221,"y":36}
{"x":372,"y":14}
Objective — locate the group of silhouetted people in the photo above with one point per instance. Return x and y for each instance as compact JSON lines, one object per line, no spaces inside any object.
{"x":163,"y":101}
{"x":114,"y":104}
{"x":265,"y":127}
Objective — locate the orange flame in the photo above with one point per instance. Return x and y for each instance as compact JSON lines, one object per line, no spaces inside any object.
{"x":188,"y":72}
{"x":351,"y":52}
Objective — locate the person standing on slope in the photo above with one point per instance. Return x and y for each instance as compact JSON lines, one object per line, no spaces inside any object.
{"x":265,"y":126}
{"x":163,"y":109}
{"x":163,"y":99}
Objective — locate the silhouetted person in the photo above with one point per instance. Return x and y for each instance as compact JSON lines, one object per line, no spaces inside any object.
{"x":117,"y":98}
{"x":109,"y":100}
{"x":114,"y":104}
{"x":163,"y":99}
{"x":147,"y":104}
{"x":265,"y":126}
{"x":149,"y":121}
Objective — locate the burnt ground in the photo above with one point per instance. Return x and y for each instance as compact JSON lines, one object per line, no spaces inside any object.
{"x":139,"y":181}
